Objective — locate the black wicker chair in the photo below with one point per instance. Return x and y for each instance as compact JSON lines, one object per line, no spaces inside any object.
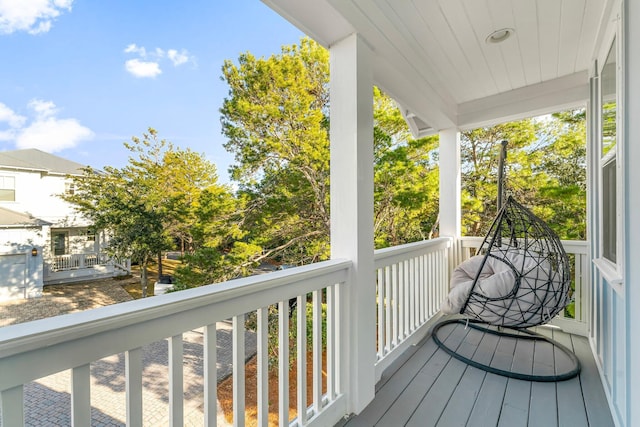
{"x":535,"y":283}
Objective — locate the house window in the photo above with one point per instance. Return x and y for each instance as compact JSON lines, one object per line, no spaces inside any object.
{"x":59,"y":242}
{"x":608,"y":164}
{"x":69,"y":188}
{"x":91,"y":235}
{"x":7,"y":189}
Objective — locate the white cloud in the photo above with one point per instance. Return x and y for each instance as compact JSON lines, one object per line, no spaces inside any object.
{"x":43,"y":109}
{"x":133,"y":48}
{"x":147,"y":63}
{"x":178,"y":58}
{"x":32,"y":16}
{"x":7,"y":115}
{"x":45,"y":131}
{"x":143,"y":69}
{"x":53,"y":134}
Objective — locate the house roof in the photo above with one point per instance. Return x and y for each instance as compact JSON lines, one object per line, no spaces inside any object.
{"x":437,"y":60}
{"x":37,"y":160}
{"x":9,"y":218}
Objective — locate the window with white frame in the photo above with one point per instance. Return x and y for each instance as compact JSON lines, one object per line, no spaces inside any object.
{"x":69,"y":188}
{"x":7,"y":189}
{"x":608,"y":155}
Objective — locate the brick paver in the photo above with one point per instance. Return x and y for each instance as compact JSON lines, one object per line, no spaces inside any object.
{"x":47,"y":401}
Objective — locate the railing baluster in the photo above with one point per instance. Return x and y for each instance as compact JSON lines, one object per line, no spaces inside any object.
{"x":12,"y":403}
{"x":133,"y":381}
{"x":387,"y":310}
{"x":401,"y":303}
{"x":317,"y":349}
{"x":414,"y":294}
{"x":381,"y":321}
{"x":238,"y":371}
{"x":176,"y":389}
{"x":394,"y":303}
{"x":283,"y":364}
{"x":578,"y":290}
{"x":81,"y":396}
{"x":263,"y":366}
{"x":433,"y":274}
{"x":422,"y":285}
{"x":210,"y":345}
{"x":332,"y":339}
{"x":407,"y":297}
{"x":301,"y":318}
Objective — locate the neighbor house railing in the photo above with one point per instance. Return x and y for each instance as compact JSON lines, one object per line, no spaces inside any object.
{"x":34,"y":350}
{"x":78,"y":261}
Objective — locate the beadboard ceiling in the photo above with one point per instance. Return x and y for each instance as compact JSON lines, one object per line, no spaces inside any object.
{"x":432,"y":57}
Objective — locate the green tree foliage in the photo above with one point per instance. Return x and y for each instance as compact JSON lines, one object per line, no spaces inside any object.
{"x":545,"y":169}
{"x":162,"y":196}
{"x":275,"y":119}
{"x":125,"y":203}
{"x":406,"y":178}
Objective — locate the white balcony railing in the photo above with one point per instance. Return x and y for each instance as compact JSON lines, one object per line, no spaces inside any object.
{"x":34,"y":350}
{"x":78,"y":261}
{"x":411,"y":282}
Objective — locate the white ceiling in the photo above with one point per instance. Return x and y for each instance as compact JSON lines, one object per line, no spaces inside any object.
{"x":431,"y":55}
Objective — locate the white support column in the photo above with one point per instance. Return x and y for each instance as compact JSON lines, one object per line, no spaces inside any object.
{"x":450,"y":205}
{"x":631,"y":157}
{"x":352,"y":211}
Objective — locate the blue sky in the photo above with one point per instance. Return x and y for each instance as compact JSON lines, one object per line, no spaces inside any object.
{"x":80,"y":77}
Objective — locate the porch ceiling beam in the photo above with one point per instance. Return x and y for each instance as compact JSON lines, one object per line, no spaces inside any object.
{"x":542,"y":98}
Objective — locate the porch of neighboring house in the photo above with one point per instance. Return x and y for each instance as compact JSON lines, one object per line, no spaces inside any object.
{"x":77,"y":254}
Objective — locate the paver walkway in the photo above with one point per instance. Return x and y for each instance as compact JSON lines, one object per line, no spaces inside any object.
{"x":47,"y":401}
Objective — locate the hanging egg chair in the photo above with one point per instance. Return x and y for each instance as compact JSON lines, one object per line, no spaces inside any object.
{"x":519,"y":278}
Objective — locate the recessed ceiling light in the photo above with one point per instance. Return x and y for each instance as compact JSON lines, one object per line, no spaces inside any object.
{"x":499,"y":36}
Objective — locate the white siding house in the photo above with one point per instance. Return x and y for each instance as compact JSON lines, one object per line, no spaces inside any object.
{"x":42,"y":239}
{"x":451,"y":65}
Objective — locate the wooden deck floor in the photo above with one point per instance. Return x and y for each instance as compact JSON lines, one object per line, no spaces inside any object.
{"x":427,"y":387}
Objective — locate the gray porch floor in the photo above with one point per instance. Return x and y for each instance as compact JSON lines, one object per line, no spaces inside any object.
{"x":427,"y":387}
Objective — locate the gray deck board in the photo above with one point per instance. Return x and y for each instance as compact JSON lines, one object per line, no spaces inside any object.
{"x":420,"y":385}
{"x":571,"y":409}
{"x":427,"y":387}
{"x":598,"y":409}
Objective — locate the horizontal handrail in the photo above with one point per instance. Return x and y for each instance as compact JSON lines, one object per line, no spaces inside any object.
{"x":24,"y":337}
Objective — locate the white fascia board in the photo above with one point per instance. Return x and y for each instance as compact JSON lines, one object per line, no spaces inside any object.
{"x":542,"y":98}
{"x":317,"y":19}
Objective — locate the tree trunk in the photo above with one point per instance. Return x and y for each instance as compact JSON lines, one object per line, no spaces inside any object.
{"x":143,"y":278}
{"x":159,"y":265}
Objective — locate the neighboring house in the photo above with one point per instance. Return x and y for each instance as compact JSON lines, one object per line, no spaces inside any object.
{"x":42,"y":239}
